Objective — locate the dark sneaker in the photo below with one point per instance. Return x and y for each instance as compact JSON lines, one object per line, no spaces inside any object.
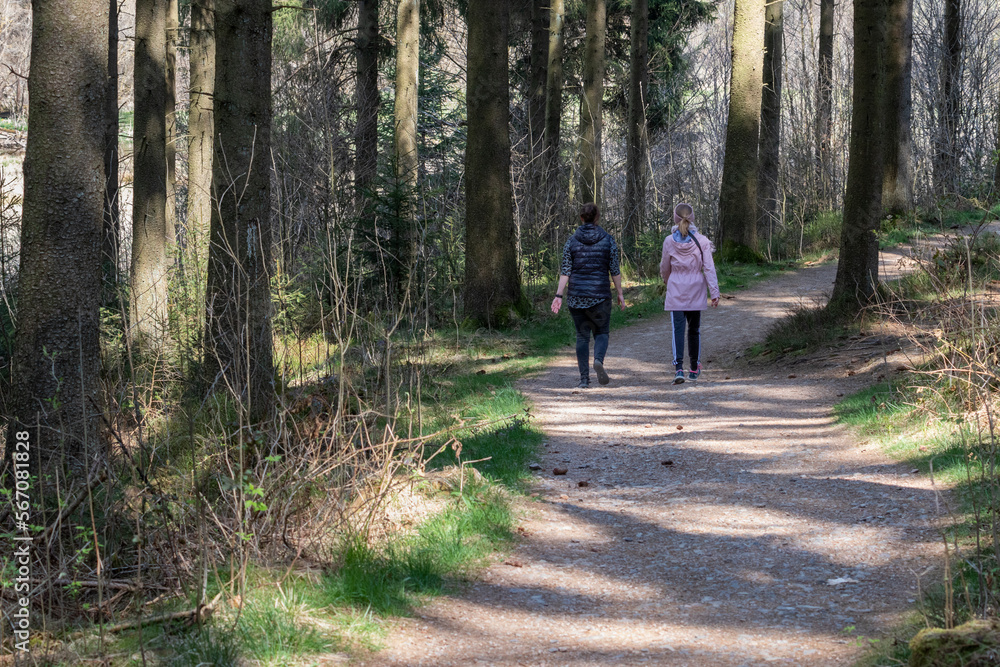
{"x":602,"y":375}
{"x":695,"y":372}
{"x":679,"y":377}
{"x":584,"y":383}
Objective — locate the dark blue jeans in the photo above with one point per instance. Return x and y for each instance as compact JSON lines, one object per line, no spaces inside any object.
{"x":691,"y":318}
{"x":595,"y":320}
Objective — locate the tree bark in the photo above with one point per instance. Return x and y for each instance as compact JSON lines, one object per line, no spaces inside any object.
{"x":201,"y":129}
{"x":738,"y":199}
{"x":56,"y":360}
{"x":947,"y":161}
{"x":824,"y":106}
{"x":149,"y":224}
{"x":768,"y":191}
{"x":170,"y":120}
{"x":492,"y":283}
{"x":857,"y":268}
{"x":366,"y":131}
{"x":637,"y":174}
{"x":407,"y":165}
{"x":897,"y":188}
{"x":592,"y":103}
{"x":238,"y":352}
{"x":554,"y":84}
{"x":112,"y":216}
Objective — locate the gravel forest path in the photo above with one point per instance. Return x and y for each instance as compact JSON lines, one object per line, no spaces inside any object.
{"x":730,"y":521}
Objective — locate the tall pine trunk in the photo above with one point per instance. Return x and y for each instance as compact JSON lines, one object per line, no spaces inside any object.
{"x":768,"y":190}
{"x":825,"y":175}
{"x":636,"y":172}
{"x":149,"y":223}
{"x":56,"y":360}
{"x":112,"y":212}
{"x":201,"y":129}
{"x":738,"y":199}
{"x":554,"y":84}
{"x":492,"y":282}
{"x":857,"y":268}
{"x":407,"y":165}
{"x":170,"y":121}
{"x":897,"y":188}
{"x":592,"y":103}
{"x":947,"y":157}
{"x":540,"y":15}
{"x":366,"y":131}
{"x":238,"y":346}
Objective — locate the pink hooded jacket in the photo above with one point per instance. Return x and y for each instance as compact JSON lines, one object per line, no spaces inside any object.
{"x":684,"y":273}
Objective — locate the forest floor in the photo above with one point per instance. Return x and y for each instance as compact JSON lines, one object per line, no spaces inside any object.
{"x":728,"y":521}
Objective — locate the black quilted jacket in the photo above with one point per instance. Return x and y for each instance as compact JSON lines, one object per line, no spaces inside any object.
{"x":591,"y":248}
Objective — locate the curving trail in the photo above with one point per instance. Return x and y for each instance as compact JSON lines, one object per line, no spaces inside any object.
{"x":771,"y":532}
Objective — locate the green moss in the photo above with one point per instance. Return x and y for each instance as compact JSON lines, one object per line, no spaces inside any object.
{"x":972,"y":644}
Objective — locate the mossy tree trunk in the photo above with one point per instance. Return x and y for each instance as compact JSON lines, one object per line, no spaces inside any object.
{"x":201,"y":129}
{"x":857,"y":268}
{"x":825,"y":175}
{"x":738,"y":199}
{"x":492,"y":283}
{"x":540,"y":16}
{"x":148,"y":311}
{"x":238,"y":345}
{"x":636,"y":171}
{"x":112,"y":211}
{"x":366,"y":130}
{"x":592,"y":103}
{"x":554,"y":84}
{"x":897,"y":188}
{"x":768,"y":190}
{"x":56,"y":360}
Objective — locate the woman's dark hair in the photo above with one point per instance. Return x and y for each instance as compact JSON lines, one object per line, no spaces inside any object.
{"x":590,"y":213}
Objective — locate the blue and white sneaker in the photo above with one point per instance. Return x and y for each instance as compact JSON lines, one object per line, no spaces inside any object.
{"x":679,"y":377}
{"x":695,"y":372}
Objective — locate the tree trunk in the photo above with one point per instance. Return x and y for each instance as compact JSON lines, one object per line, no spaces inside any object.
{"x":768,"y":192}
{"x":149,"y":224}
{"x":407,"y":85}
{"x":492,"y":283}
{"x":857,"y":269}
{"x":554,"y":84}
{"x":238,"y":351}
{"x":540,"y":14}
{"x":947,"y":162}
{"x":824,"y":106}
{"x":170,"y":122}
{"x":366,"y":131}
{"x":897,"y":188}
{"x":112,"y":217}
{"x":592,"y":102}
{"x":738,"y":199}
{"x":56,"y":360}
{"x":201,"y":129}
{"x":636,"y":172}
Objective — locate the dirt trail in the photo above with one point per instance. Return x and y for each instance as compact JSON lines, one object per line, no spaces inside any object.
{"x":771,"y":532}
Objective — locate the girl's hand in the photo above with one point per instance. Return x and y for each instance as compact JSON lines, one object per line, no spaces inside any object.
{"x":715,"y":302}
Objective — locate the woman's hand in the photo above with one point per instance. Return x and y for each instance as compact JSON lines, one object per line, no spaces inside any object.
{"x":621,"y":301}
{"x":556,"y":304}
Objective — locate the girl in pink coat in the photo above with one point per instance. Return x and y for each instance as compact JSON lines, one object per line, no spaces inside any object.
{"x":688,"y":271}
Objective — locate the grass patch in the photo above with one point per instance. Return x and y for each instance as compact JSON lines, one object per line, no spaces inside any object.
{"x":393,"y":578}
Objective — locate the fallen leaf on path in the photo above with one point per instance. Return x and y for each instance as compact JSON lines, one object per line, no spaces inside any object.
{"x":668,"y":462}
{"x":680,"y":427}
{"x":583,"y":483}
{"x":560,"y":471}
{"x":481,"y":371}
{"x":513,"y":563}
{"x":792,"y":376}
